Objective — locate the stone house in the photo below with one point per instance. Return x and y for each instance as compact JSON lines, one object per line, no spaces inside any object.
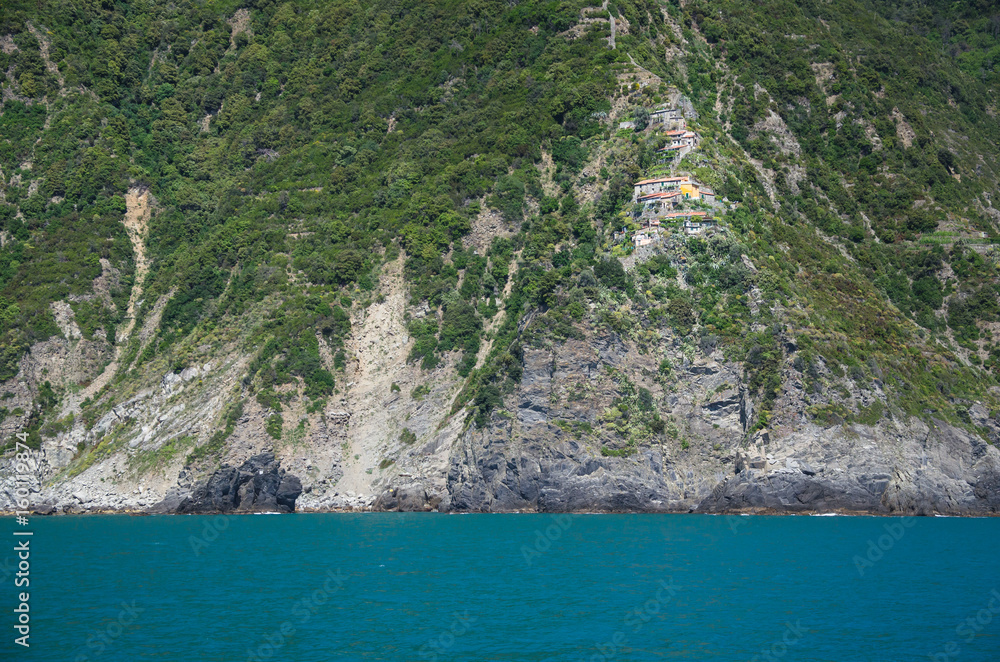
{"x":657,"y":204}
{"x":644,"y":237}
{"x":690,"y":191}
{"x":698,"y":225}
{"x":659,"y":185}
{"x":669,"y":118}
{"x":682,"y":138}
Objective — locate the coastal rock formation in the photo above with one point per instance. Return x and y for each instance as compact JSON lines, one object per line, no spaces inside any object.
{"x":558,"y":453}
{"x":257,"y":485}
{"x":917,"y":469}
{"x":814,"y":470}
{"x":344,"y":295}
{"x":549,"y":452}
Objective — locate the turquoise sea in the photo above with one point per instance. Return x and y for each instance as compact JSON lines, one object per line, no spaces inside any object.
{"x":388,"y":586}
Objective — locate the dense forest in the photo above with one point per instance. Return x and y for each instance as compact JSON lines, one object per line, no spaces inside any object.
{"x":294,"y":149}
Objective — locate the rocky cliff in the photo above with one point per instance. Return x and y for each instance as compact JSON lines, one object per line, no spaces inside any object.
{"x":257,"y":485}
{"x":595,"y":423}
{"x":542,"y":454}
{"x":282,"y":259}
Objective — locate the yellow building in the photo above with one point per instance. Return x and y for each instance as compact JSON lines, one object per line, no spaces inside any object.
{"x":690,"y":191}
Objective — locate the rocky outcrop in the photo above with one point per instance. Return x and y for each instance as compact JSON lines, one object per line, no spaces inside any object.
{"x":64,"y":362}
{"x":257,"y":485}
{"x":908,"y":471}
{"x":551,"y":449}
{"x":411,"y":497}
{"x":566,"y":477}
{"x":554,"y":446}
{"x":915,"y":469}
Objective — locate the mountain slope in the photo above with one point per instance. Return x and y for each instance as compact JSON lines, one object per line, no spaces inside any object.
{"x":393,"y":243}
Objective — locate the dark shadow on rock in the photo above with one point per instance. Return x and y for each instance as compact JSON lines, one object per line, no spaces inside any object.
{"x":257,"y":485}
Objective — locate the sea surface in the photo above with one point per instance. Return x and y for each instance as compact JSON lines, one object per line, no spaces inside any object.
{"x":389,"y":586}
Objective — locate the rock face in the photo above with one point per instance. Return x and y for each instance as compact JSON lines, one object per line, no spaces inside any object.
{"x":553,"y":453}
{"x":564,"y":477}
{"x":412,"y":497}
{"x":258,"y":485}
{"x":942,"y":470}
{"x":59,"y":361}
{"x":915,"y":469}
{"x":604,"y":421}
{"x":551,"y":450}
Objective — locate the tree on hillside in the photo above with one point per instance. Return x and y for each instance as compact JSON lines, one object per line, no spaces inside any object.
{"x":641,"y":119}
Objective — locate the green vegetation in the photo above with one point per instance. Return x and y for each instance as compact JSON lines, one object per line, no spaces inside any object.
{"x":579,"y":429}
{"x":273,"y":425}
{"x":87,"y":458}
{"x":294,"y":161}
{"x":213,"y":448}
{"x":145,"y":462}
{"x":420,"y":391}
{"x":295,"y":177}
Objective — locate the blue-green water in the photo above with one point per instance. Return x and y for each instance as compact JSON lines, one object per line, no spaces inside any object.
{"x":507,"y":587}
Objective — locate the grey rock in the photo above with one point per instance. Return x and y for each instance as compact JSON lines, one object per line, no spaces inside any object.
{"x":411,"y":497}
{"x":526,"y":463}
{"x":258,"y":485}
{"x":172,"y":501}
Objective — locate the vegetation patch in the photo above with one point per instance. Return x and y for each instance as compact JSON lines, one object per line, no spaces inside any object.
{"x":145,"y":462}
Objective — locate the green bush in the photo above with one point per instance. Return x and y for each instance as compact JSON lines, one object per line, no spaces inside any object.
{"x":610,"y":273}
{"x":273,"y":425}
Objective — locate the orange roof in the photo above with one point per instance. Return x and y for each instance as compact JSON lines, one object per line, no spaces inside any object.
{"x":706,"y":192}
{"x":658,"y":196}
{"x":676,"y":132}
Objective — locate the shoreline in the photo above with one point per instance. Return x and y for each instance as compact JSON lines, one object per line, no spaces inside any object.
{"x":759,"y":512}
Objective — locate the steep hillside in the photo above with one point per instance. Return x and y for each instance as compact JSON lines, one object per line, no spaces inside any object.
{"x":399,"y":247}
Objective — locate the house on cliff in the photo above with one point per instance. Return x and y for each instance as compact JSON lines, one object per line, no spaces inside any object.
{"x":657,"y":204}
{"x":659,"y":185}
{"x":670,"y":118}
